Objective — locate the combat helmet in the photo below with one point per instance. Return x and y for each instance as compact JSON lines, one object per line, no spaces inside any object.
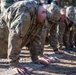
{"x":53,"y":12}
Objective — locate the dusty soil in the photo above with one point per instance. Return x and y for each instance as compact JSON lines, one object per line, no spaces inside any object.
{"x":66,"y":66}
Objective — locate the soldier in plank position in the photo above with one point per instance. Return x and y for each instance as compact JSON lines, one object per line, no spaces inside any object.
{"x":24,"y":24}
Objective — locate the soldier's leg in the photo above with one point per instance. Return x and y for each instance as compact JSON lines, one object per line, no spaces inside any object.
{"x":54,"y":39}
{"x":66,"y":38}
{"x":3,"y":42}
{"x":71,"y":40}
{"x":75,"y":39}
{"x":61,"y":33}
{"x":43,"y":37}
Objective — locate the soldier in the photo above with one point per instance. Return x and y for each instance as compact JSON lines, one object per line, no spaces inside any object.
{"x":69,"y":32}
{"x":66,"y":30}
{"x":25,"y":27}
{"x":62,"y":28}
{"x":43,"y":37}
{"x":54,"y":34}
{"x":53,"y":31}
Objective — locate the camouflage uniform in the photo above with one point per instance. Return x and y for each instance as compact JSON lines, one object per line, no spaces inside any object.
{"x":75,"y":30}
{"x":5,"y":4}
{"x":3,"y":42}
{"x":52,"y":26}
{"x":20,"y":34}
{"x":69,"y":32}
{"x":54,"y":32}
{"x":24,"y":29}
{"x":54,"y":36}
{"x":62,"y":28}
{"x":75,"y":38}
{"x":43,"y":34}
{"x":52,"y":29}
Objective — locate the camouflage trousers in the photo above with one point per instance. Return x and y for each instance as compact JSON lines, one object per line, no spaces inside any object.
{"x":68,"y":38}
{"x":54,"y":36}
{"x":3,"y":42}
{"x":62,"y":28}
{"x":53,"y":39}
{"x":75,"y":37}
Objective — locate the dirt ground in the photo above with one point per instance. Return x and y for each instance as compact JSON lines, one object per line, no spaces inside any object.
{"x":66,"y":65}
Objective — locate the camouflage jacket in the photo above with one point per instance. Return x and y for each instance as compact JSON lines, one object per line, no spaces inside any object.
{"x":32,"y":27}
